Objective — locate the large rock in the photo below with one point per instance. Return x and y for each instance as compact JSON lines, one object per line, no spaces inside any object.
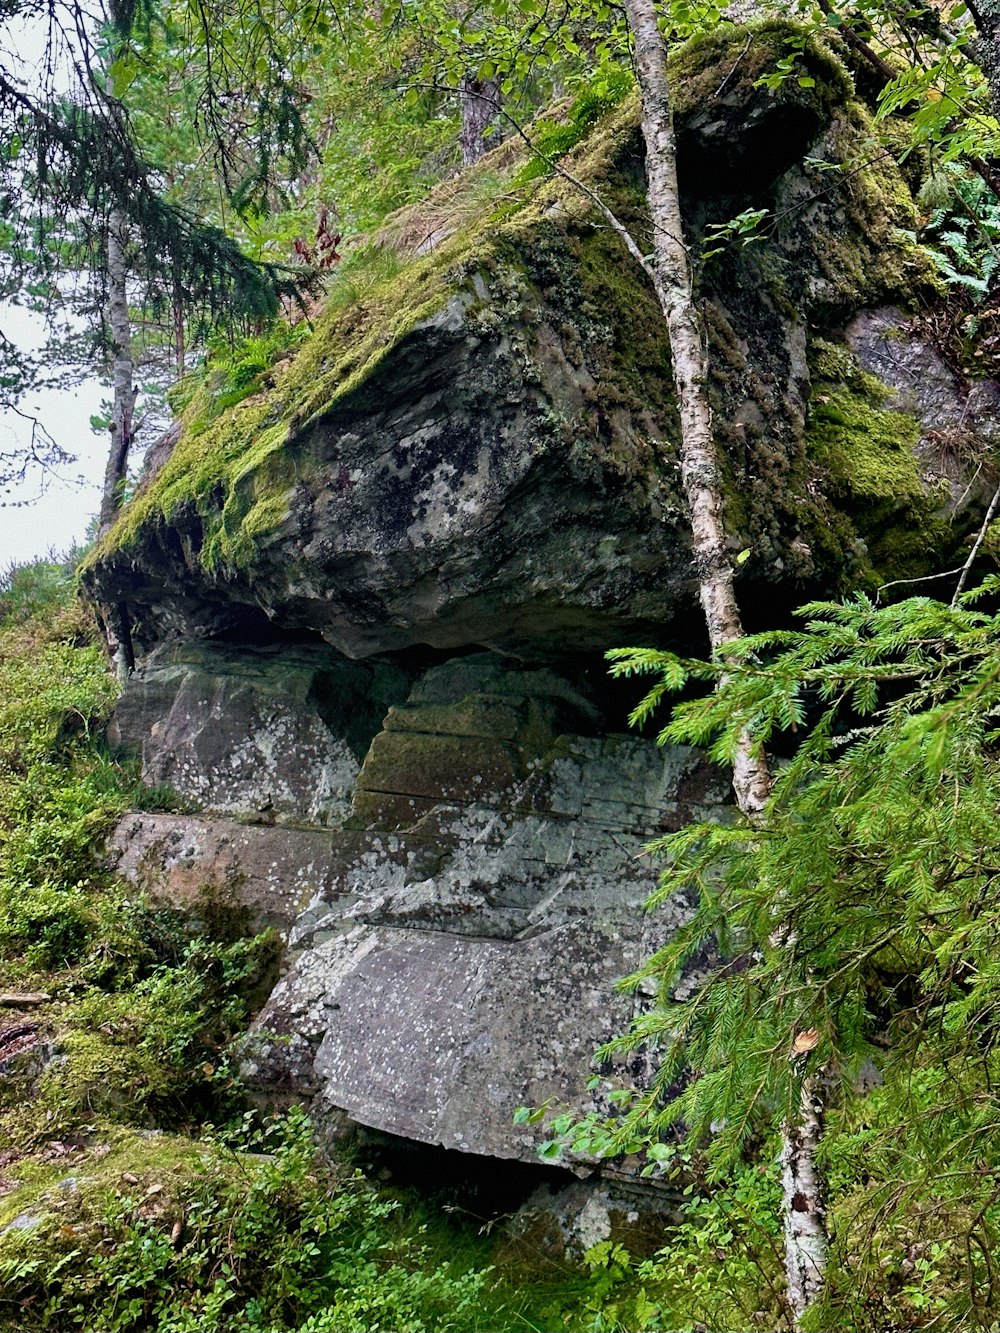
{"x":270,"y":873}
{"x":457,"y":935}
{"x":462,"y":957}
{"x":482,"y":450}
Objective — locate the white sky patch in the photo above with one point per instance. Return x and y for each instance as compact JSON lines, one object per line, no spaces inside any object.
{"x":51,"y":508}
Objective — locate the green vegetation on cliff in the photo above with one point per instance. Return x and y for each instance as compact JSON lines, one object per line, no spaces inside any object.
{"x":867,"y":452}
{"x":138,"y":1189}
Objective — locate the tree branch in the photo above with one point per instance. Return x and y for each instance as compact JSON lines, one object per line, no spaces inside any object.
{"x":980,"y":537}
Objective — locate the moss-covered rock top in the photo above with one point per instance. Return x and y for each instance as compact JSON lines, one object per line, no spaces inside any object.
{"x":475,"y":444}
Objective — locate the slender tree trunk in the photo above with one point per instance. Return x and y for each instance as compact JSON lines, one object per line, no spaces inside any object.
{"x":479,"y":100}
{"x":674,"y":281}
{"x":116,"y":616}
{"x":803,"y":1199}
{"x":803,"y":1205}
{"x":985,"y":50}
{"x":179,"y":349}
{"x":122,"y":372}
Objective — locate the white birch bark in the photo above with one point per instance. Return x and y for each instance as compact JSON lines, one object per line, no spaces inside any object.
{"x":804,"y":1214}
{"x":115,"y":616}
{"x":803,"y":1200}
{"x":674,"y":282}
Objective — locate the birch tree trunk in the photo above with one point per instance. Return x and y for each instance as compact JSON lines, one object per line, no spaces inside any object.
{"x":115,"y":616}
{"x":803,"y":1199}
{"x":802,"y":1194}
{"x":674,"y":281}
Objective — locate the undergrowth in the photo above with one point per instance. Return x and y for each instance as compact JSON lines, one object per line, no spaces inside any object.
{"x":196,"y":1236}
{"x":138,"y":1189}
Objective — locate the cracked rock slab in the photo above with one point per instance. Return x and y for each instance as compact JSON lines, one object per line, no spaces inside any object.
{"x":187,"y":860}
{"x":461,"y":958}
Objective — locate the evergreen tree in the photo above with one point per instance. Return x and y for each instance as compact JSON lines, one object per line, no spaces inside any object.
{"x":849,"y":937}
{"x":73,"y":171}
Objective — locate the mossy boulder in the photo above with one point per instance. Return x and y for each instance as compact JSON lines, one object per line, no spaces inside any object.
{"x":475,"y":449}
{"x":480,"y":446}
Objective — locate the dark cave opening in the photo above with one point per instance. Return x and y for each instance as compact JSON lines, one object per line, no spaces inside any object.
{"x":473,"y":1186}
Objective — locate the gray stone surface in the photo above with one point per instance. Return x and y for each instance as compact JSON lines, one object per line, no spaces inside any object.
{"x":273,"y":731}
{"x":462,"y":956}
{"x":466,"y":498}
{"x":185,"y":860}
{"x":457,"y":931}
{"x":960,"y":420}
{"x":567,"y":1222}
{"x":439,"y":1038}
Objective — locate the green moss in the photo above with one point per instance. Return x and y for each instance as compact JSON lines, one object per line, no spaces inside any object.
{"x":867,"y":454}
{"x":695,"y":66}
{"x":866,"y":447}
{"x":148,"y":1159}
{"x":237,"y":469}
{"x":256,"y":498}
{"x":879,"y":209}
{"x":135,"y":1234}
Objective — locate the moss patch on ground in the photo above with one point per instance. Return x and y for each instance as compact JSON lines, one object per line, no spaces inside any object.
{"x":134,"y":1002}
{"x":131,"y":1233}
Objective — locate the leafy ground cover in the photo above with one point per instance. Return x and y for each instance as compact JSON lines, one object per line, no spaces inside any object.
{"x":138,"y":1189}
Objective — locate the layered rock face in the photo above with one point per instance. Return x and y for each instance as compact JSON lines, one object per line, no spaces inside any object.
{"x":373,"y":595}
{"x":456,"y":937}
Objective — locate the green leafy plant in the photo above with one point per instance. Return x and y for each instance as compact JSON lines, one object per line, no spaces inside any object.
{"x":852,"y":936}
{"x":962,"y":232}
{"x":234,"y":367}
{"x":553,"y":139}
{"x":744,"y":229}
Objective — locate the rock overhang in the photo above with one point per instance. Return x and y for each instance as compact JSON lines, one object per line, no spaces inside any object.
{"x":494,"y":468}
{"x":481,"y":451}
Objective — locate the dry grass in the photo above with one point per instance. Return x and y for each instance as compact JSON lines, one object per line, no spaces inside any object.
{"x":420,"y":228}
